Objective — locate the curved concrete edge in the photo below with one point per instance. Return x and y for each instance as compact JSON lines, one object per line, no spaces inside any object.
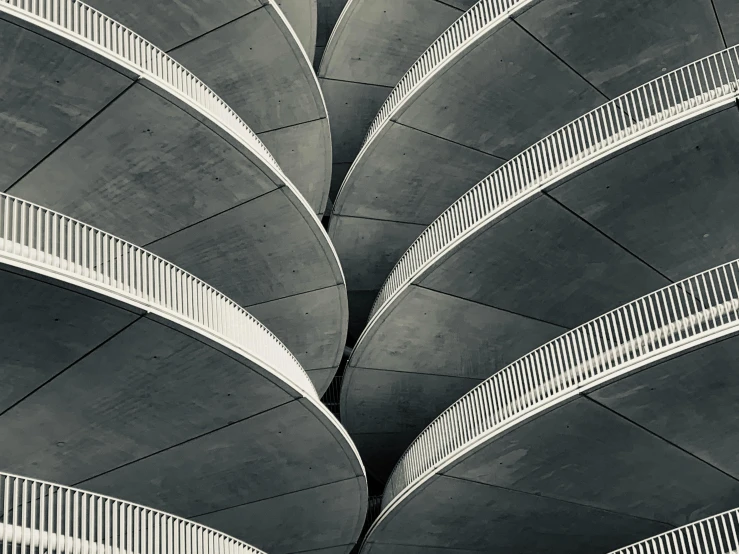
{"x":712,"y":535}
{"x":339,"y":28}
{"x":40,"y":242}
{"x":681,"y":95}
{"x":79,"y":26}
{"x":680,"y":317}
{"x":27,"y":532}
{"x":472,"y":27}
{"x":310,"y":45}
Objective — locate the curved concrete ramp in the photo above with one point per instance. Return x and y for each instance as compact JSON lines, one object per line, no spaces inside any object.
{"x":128,"y":376}
{"x":328,"y":14}
{"x":100,"y":124}
{"x":503,"y":76}
{"x":634,"y":195}
{"x":619,"y":429}
{"x":249,"y":54}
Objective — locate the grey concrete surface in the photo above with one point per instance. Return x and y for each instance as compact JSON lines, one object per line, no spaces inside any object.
{"x":246,"y":53}
{"x":125,"y":403}
{"x":123,"y":157}
{"x":529,"y":76}
{"x":652,"y":448}
{"x":655,"y":213}
{"x":328,"y":12}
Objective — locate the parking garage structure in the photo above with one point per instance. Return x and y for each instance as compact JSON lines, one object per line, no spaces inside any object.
{"x":106,"y":127}
{"x":505,"y":74}
{"x":128,"y":376}
{"x":631,"y":196}
{"x":615,"y":431}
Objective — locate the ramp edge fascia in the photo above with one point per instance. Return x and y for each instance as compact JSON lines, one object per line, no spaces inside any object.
{"x":712,"y":535}
{"x":85,"y":26}
{"x":672,"y":320}
{"x":72,"y":520}
{"x":678,"y":96}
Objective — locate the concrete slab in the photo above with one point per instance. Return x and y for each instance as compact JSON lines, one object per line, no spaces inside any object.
{"x":375,"y":548}
{"x":583,"y":453}
{"x":411,"y":176}
{"x":434,"y":333}
{"x":131,"y":171}
{"x":493,"y":98}
{"x":303,"y":17}
{"x":42,"y":102}
{"x":544,"y":262}
{"x":689,"y":400}
{"x":45,"y":329}
{"x":479,"y":517}
{"x":670,"y":201}
{"x":322,"y":504}
{"x":591,"y":37}
{"x":728,"y":15}
{"x":321,"y":378}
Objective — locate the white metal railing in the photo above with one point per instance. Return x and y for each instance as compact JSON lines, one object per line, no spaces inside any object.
{"x":102,"y":34}
{"x":44,"y":517}
{"x":712,"y":535}
{"x":678,"y":316}
{"x":686,"y":92}
{"x":31,"y":235}
{"x":471,"y":26}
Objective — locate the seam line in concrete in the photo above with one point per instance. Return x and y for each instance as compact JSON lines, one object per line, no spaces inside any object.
{"x":355,"y":82}
{"x":525,"y":30}
{"x":502,"y":159}
{"x":449,"y":5}
{"x":73,"y":134}
{"x":197,"y":437}
{"x":148,"y":244}
{"x":424,"y":225}
{"x":450,"y":548}
{"x":476,"y":379}
{"x":659,"y":437}
{"x":271,"y":497}
{"x":290,"y":296}
{"x":564,"y":327}
{"x":596,"y":508}
{"x":75,"y":362}
{"x":260,"y":133}
{"x":718,"y":22}
{"x":320,"y":549}
{"x":214,"y":29}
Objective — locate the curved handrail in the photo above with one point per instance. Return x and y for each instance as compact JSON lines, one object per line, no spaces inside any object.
{"x":712,"y":535}
{"x":31,"y":235}
{"x":470,"y":26}
{"x":45,"y":517}
{"x":105,"y":35}
{"x":679,"y":316}
{"x":674,"y":97}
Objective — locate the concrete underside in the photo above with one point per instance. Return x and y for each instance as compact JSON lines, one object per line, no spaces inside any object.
{"x":372,"y":47}
{"x":524,"y":80}
{"x":657,"y":213}
{"x":653,"y":450}
{"x":243,"y":50}
{"x":81,"y":138}
{"x":102,"y":395}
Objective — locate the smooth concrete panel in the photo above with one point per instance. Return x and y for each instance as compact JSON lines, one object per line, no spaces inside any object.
{"x":502,"y":96}
{"x":381,"y":39}
{"x":44,"y":329}
{"x":452,"y":513}
{"x":618,"y":46}
{"x":259,"y":251}
{"x":254,"y":67}
{"x":380,"y":401}
{"x":544,"y":262}
{"x":583,"y":453}
{"x":303,"y":152}
{"x":132,"y":171}
{"x":351,"y":108}
{"x":431,"y":332}
{"x":302,"y":16}
{"x":321,"y":378}
{"x":689,"y":400}
{"x":728,"y":15}
{"x":309,"y":324}
{"x":170,"y":24}
{"x":368,"y":249}
{"x":273,"y":453}
{"x":380,"y":451}
{"x":320,"y":511}
{"x":672,"y":201}
{"x":412,"y":176}
{"x":48,"y":92}
{"x":147,"y":389}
